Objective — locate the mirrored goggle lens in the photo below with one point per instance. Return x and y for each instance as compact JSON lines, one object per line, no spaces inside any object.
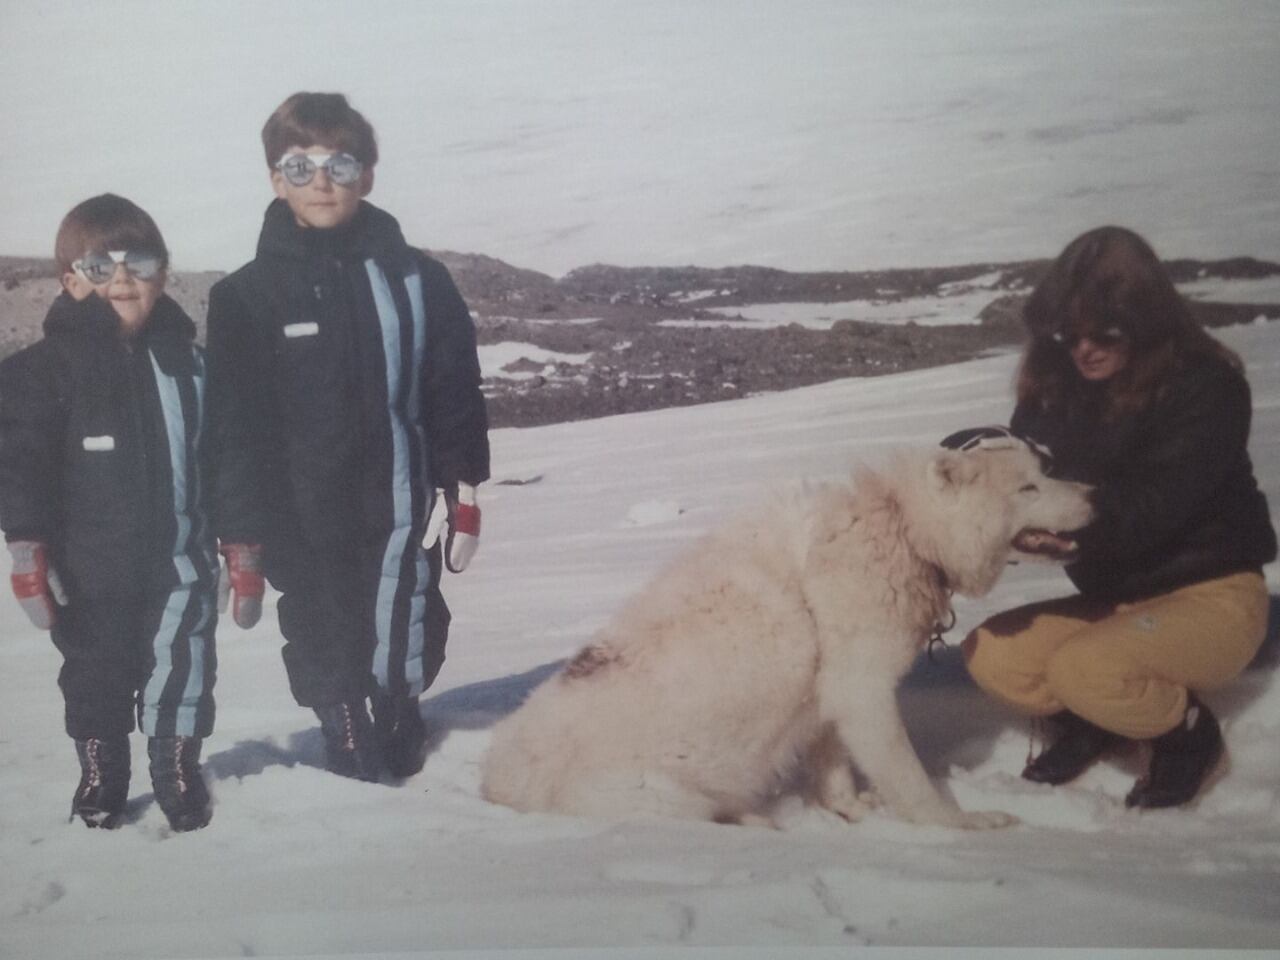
{"x":99,"y":268}
{"x":300,"y":168}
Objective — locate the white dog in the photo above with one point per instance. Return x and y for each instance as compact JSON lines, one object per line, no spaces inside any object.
{"x":769,"y":655}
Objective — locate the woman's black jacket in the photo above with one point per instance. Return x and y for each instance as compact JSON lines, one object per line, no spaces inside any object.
{"x":1176,"y":497}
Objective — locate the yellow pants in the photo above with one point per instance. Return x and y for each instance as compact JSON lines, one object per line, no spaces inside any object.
{"x":1125,"y":667}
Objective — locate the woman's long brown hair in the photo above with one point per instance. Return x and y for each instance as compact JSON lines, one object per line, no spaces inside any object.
{"x":1110,"y":277}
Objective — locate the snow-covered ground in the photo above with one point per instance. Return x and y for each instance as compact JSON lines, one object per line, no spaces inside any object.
{"x":299,"y":862}
{"x":954,"y":303}
{"x":1261,"y":290}
{"x":959,"y":302}
{"x":494,"y":358}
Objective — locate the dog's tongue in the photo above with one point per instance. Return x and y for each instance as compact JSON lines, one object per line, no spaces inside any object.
{"x":1045,"y":543}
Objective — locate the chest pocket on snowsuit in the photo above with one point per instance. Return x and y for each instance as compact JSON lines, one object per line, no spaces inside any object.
{"x":319,"y":416}
{"x":103,"y":477}
{"x":310,"y":351}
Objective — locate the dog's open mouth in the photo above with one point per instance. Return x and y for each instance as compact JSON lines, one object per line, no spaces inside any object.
{"x":1046,"y":543}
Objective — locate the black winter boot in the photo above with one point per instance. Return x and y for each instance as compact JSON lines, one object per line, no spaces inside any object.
{"x":178,"y":783}
{"x":1078,"y":745}
{"x":402,"y":736}
{"x":104,"y":781}
{"x":349,"y":746}
{"x":1180,"y":760}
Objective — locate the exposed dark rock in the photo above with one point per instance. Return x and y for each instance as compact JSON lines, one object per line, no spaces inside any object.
{"x":612,"y":318}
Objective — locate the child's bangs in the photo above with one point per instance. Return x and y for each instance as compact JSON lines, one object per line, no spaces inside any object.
{"x":339,"y":139}
{"x":124,"y":236}
{"x":104,"y":223}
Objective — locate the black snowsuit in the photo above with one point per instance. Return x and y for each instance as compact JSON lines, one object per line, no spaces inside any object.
{"x":1177,"y":502}
{"x":99,"y":455}
{"x":344,"y":388}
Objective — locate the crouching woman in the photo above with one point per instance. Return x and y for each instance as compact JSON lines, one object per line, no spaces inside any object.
{"x":1131,"y":395}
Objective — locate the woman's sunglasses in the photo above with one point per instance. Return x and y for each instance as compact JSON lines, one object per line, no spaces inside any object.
{"x":1112,"y":336}
{"x":300,"y":168}
{"x":99,"y":267}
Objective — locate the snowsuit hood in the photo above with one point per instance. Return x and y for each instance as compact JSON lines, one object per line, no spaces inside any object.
{"x":371,"y":233}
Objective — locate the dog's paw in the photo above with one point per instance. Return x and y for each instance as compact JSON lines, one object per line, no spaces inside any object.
{"x":849,"y":807}
{"x":849,"y":804}
{"x":871,"y":799}
{"x":985,"y":819}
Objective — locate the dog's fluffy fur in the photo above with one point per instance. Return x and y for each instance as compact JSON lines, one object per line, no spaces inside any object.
{"x":769,"y":655}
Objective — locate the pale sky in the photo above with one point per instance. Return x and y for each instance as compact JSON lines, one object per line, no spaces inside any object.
{"x":804,"y":134}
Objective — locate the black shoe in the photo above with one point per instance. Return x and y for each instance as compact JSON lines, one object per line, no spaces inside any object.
{"x":1180,"y":760}
{"x":1078,"y":746}
{"x":178,"y":783}
{"x":402,"y":736}
{"x":104,"y":781}
{"x":349,"y":746}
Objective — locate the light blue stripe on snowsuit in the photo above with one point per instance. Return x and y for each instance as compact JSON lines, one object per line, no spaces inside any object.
{"x":404,"y":412}
{"x":189,"y":538}
{"x":199,"y":643}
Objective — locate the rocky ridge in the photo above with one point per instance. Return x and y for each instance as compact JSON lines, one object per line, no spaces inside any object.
{"x":604,"y":339}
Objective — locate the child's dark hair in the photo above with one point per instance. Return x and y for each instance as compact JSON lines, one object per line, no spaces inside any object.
{"x":319,"y":118}
{"x":107,"y":222}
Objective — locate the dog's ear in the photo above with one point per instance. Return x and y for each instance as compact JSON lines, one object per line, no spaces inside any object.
{"x":950,"y":471}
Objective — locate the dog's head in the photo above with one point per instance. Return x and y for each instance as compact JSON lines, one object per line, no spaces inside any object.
{"x":987,"y":505}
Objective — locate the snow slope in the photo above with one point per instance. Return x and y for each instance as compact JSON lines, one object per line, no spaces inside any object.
{"x":298,"y":862}
{"x":804,"y":134}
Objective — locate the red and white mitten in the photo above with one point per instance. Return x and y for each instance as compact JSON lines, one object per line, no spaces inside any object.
{"x":457,"y":519}
{"x":464,"y":529}
{"x":35,"y":583}
{"x":241,"y":574}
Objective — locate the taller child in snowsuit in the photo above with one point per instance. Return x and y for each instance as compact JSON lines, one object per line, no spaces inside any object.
{"x":103,"y":512}
{"x":345,"y":405}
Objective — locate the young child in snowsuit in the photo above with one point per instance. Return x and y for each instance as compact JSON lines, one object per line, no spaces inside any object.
{"x":103,"y":512}
{"x":345,"y":406}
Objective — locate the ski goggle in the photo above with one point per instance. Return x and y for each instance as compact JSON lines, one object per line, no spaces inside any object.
{"x":300,"y":168}
{"x":1111,"y":336}
{"x":99,"y":267}
{"x":995,"y":438}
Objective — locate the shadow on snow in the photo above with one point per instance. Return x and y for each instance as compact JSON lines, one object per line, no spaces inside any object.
{"x":948,"y":719}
